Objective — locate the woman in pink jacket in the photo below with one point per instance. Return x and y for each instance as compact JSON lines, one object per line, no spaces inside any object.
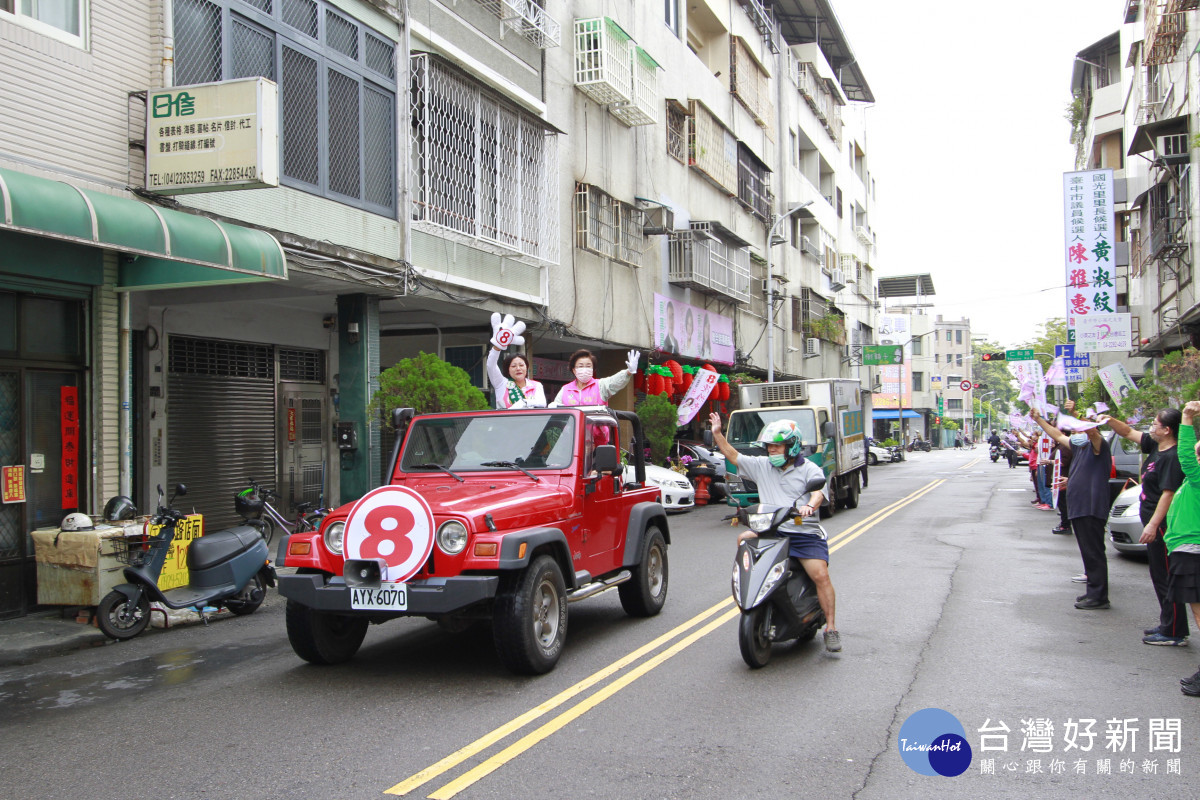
{"x":585,"y":390}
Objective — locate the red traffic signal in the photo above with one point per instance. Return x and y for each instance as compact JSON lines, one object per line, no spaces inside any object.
{"x":979,"y":386}
{"x":994,"y":356}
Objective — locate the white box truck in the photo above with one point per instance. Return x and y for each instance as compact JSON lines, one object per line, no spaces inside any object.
{"x":833,"y":416}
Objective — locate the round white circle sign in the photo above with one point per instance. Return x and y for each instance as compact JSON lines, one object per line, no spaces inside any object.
{"x":394,"y":524}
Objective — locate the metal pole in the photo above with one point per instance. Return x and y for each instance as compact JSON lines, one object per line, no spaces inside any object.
{"x":771,"y":288}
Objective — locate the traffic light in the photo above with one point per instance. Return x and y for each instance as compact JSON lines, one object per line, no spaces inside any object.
{"x":994,"y":356}
{"x":979,"y":386}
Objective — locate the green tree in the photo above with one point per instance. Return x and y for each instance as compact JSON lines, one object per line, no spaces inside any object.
{"x":1177,"y":381}
{"x":994,"y":376}
{"x":426,"y":384}
{"x":1054,"y":331}
{"x":660,"y":419}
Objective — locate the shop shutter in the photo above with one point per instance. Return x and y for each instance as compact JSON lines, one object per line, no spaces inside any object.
{"x":220,"y":423}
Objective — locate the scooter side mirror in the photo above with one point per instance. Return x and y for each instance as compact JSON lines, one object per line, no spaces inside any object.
{"x":180,"y":490}
{"x":815,"y":484}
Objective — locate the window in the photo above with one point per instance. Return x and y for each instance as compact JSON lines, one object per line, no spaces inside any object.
{"x":954,"y":404}
{"x":957,"y":360}
{"x":958,"y":337}
{"x":677,"y":143}
{"x":606,"y":226}
{"x":795,"y":150}
{"x":481,"y":167}
{"x":949,"y":336}
{"x":337,"y":88}
{"x":918,"y":379}
{"x":839,"y":203}
{"x":753,"y":183}
{"x":916,"y":346}
{"x":671,"y":15}
{"x":469,"y":358}
{"x":60,"y":19}
{"x":750,"y":84}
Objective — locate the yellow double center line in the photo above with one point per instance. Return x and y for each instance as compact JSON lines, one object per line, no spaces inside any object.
{"x":523,"y":744}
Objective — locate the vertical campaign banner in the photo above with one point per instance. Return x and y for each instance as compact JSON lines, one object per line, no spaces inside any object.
{"x":895,"y":380}
{"x":697,"y":394}
{"x":1088,"y":244}
{"x":68,"y":400}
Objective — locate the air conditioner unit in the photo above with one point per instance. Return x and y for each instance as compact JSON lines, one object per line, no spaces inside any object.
{"x":837,"y":280}
{"x":812,"y":347}
{"x":1173,"y":148}
{"x":807,"y":246}
{"x":658,"y":221}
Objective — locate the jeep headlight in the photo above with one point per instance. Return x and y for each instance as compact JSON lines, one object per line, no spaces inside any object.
{"x":452,"y":537}
{"x":759,"y":522}
{"x":333,"y":537}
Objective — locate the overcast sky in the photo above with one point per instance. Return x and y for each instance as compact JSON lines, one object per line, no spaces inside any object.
{"x":968,"y":143}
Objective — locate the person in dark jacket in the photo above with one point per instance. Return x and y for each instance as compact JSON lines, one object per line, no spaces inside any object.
{"x":1088,"y":503}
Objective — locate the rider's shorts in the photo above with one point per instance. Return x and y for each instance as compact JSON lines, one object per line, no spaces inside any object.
{"x":804,"y":545}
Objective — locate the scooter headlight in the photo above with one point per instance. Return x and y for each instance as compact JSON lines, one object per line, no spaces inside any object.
{"x":759,"y":522}
{"x":452,"y":537}
{"x":773,"y":577}
{"x":333,"y":537}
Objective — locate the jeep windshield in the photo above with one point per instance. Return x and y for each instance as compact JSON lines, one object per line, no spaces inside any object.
{"x":745,"y":426}
{"x":468,"y":443}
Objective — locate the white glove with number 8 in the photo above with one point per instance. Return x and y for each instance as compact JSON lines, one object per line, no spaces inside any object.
{"x":506,"y":331}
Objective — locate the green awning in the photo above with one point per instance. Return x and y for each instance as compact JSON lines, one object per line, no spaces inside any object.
{"x":167,"y":248}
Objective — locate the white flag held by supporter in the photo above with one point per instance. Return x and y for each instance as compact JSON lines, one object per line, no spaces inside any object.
{"x":697,"y":394}
{"x":1056,"y":376}
{"x":1032,"y":382}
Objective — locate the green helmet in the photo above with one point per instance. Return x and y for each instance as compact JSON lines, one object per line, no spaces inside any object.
{"x":783,"y":431}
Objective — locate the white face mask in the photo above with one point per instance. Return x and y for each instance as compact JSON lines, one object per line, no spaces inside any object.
{"x":583,"y":374}
{"x":1079,"y":439}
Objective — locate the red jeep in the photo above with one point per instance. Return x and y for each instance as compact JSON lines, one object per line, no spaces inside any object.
{"x":501,"y":515}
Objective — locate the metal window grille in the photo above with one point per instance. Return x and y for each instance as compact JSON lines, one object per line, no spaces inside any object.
{"x":643,"y":109}
{"x":750,"y":83}
{"x":301,"y":15}
{"x":221,"y":359}
{"x":468,"y":358}
{"x":603,"y":61}
{"x":798,"y":313}
{"x":481,"y":167}
{"x":712,"y":149}
{"x":677,"y":132}
{"x":341,"y":34}
{"x":630,"y":221}
{"x":253,"y":50}
{"x":703,"y":258}
{"x":310,"y":421}
{"x":528,"y":18}
{"x":606,"y":226}
{"x":198,"y":52}
{"x":753,"y":183}
{"x":305,"y":366}
{"x":336,"y":83}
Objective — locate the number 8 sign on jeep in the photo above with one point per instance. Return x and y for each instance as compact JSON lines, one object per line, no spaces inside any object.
{"x":394,"y":524}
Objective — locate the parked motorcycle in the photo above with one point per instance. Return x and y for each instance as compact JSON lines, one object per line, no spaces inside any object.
{"x":229,"y":568}
{"x":777,"y":598}
{"x":920,"y":444}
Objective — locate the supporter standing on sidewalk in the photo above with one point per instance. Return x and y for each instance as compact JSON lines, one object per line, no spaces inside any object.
{"x":1088,"y":506}
{"x":1161,"y":478}
{"x":1183,"y":532}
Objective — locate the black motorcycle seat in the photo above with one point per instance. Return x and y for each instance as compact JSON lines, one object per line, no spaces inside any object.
{"x":217,"y":548}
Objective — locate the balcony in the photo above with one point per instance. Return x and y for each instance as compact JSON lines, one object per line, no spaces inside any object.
{"x":823,"y":102}
{"x":603,"y":61}
{"x":1168,"y":238}
{"x":1165,"y":29}
{"x":710,"y":258}
{"x":643,"y":109}
{"x":527,"y":18}
{"x":712,"y":149}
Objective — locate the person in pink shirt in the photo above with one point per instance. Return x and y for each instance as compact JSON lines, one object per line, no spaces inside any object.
{"x":513,"y":386}
{"x":586,"y":390}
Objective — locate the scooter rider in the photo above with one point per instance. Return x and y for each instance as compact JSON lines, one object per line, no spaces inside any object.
{"x":782,"y":476}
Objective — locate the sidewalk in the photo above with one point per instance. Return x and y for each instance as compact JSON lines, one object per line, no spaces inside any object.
{"x":44,"y":634}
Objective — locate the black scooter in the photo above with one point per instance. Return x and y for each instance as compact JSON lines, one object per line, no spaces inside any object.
{"x":229,"y":568}
{"x":994,"y":453}
{"x":777,"y":598}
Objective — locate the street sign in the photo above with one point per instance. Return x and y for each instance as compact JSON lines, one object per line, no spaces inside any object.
{"x":1019,"y":355}
{"x":875,"y":355}
{"x":1104,"y":333}
{"x":965,"y":386}
{"x":941,"y":405}
{"x":1071,"y":361}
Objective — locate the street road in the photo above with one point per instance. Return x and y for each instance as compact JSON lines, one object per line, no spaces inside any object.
{"x":952,"y":594}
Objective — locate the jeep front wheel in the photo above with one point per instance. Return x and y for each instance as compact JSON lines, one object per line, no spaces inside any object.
{"x":529,"y":624}
{"x":644,"y":594}
{"x":323,"y":638}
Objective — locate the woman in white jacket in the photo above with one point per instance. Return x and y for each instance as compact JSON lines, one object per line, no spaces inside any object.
{"x":517,"y":390}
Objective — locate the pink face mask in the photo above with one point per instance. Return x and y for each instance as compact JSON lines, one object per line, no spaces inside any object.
{"x":583,"y":374}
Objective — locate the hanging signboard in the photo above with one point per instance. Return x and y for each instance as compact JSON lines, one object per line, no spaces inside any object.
{"x":12,"y":483}
{"x":212,"y":136}
{"x":1088,"y":245}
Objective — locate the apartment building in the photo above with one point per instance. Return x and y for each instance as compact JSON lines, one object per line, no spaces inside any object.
{"x":609,"y":171}
{"x":1132,"y":106}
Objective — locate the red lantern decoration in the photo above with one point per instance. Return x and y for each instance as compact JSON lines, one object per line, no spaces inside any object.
{"x":639,"y":381}
{"x":687,"y":380}
{"x":722,"y":391}
{"x":654,"y":384}
{"x":676,"y":370}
